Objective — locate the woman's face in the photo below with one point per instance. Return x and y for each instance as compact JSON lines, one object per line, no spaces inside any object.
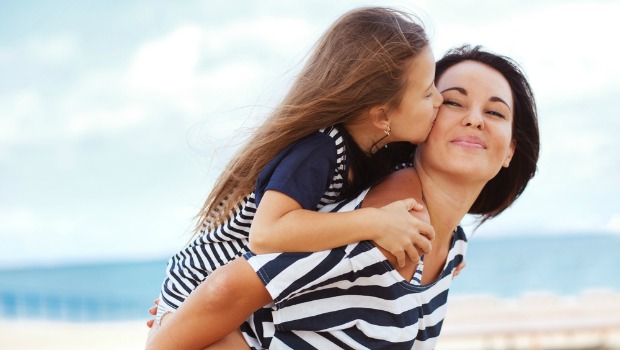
{"x":473,"y":128}
{"x":413,"y":118}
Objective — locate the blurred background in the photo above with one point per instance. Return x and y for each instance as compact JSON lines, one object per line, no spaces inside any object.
{"x":116,"y":117}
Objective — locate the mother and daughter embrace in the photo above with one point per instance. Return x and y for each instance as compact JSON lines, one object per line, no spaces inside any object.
{"x":336,"y":226}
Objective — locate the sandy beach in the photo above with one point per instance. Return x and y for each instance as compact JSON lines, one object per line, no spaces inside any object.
{"x":49,"y":335}
{"x":534,"y":322}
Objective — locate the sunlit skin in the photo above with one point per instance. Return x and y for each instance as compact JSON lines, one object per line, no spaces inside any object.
{"x":413,"y":119}
{"x":475,"y":128}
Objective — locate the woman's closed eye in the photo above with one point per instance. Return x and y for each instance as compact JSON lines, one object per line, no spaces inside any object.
{"x":496,"y":114}
{"x":451,"y":103}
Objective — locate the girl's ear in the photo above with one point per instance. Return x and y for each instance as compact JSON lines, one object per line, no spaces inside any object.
{"x":379,"y":117}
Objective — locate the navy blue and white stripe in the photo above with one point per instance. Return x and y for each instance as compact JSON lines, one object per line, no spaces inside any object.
{"x":348,"y":298}
{"x":216,"y":247}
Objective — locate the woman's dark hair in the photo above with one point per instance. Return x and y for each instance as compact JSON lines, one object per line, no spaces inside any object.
{"x":501,"y":191}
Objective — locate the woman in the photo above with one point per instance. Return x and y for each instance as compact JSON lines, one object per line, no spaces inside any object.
{"x":479,"y":157}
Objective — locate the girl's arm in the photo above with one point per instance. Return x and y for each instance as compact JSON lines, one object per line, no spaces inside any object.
{"x":282,"y":225}
{"x":214,"y":309}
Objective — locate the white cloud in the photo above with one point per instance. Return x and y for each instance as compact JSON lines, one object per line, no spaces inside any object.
{"x":52,"y":49}
{"x":25,"y":221}
{"x":90,"y":105}
{"x":106,"y":120}
{"x":36,"y":51}
{"x":568,"y":139}
{"x":171,"y":70}
{"x":614,"y":224}
{"x":277,"y":34}
{"x":563,"y":47}
{"x":167,"y":65}
{"x":18,"y":109}
{"x":231,"y":76}
{"x":18,"y":221}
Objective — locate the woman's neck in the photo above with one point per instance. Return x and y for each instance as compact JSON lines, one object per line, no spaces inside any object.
{"x":447,"y":199}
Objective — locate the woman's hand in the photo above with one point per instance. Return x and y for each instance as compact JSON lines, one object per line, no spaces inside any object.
{"x":404,"y":230}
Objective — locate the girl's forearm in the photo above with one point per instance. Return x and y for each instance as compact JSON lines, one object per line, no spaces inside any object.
{"x":391,"y":217}
{"x":310,"y":231}
{"x":282,"y":225}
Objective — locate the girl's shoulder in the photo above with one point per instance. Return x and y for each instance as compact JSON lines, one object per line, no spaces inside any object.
{"x":334,"y":132}
{"x":329,"y":135}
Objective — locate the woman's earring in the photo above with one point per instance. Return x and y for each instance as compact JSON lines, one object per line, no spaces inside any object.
{"x":388,"y":130}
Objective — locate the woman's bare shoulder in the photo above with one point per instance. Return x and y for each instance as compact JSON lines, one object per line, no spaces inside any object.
{"x":400,"y":184}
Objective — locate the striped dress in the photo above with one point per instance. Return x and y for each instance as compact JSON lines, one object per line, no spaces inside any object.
{"x":348,"y":298}
{"x":215,"y":248}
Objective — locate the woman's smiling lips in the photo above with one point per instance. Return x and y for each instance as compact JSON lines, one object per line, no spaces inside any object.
{"x":469,"y":142}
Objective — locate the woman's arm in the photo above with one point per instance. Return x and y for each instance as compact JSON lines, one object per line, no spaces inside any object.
{"x":214,"y":310}
{"x":281,"y":225}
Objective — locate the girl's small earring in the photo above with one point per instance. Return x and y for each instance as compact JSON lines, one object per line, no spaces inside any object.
{"x":388,"y":130}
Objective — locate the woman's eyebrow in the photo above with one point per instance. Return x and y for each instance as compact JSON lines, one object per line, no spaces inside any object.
{"x":464,"y":92}
{"x":497,"y":99}
{"x":459,"y":89}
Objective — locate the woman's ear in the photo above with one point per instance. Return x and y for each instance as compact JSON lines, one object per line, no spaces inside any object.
{"x":509,"y":154}
{"x":379,"y":117}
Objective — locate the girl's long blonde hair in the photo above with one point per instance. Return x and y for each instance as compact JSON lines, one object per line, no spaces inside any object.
{"x":358,"y":63}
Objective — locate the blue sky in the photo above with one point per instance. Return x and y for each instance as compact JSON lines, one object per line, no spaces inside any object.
{"x":115,"y":118}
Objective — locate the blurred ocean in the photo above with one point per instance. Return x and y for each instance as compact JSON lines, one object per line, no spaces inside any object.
{"x":506,"y":267}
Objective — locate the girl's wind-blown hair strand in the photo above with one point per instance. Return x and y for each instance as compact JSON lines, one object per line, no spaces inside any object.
{"x":359,"y":62}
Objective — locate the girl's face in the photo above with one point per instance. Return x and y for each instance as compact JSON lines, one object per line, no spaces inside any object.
{"x":413,"y":118}
{"x":473,"y":129}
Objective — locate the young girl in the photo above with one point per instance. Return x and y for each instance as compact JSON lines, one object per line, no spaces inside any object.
{"x":369,"y":82}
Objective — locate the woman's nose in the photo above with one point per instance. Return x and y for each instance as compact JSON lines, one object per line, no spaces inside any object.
{"x":475,"y":119}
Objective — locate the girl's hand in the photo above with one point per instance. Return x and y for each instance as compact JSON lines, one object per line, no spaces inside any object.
{"x":152,"y":311}
{"x":459,"y":268}
{"x":404,"y":233}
